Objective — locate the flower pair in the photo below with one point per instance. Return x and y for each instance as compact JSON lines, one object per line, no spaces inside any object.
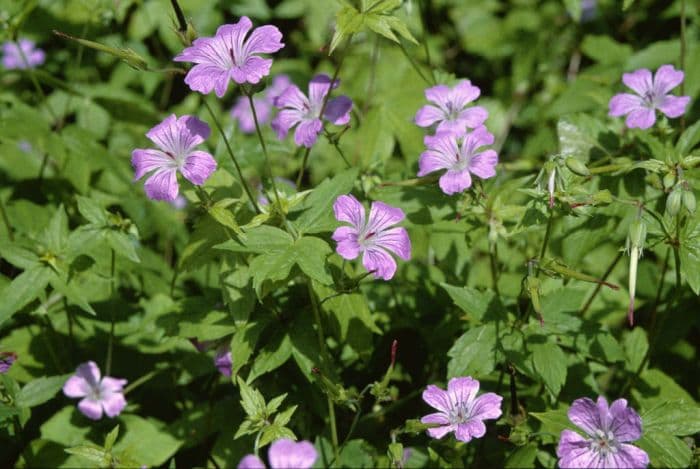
{"x":454,"y":147}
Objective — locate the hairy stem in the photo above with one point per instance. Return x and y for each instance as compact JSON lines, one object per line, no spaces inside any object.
{"x":110,"y":343}
{"x":415,"y":66}
{"x":600,"y":284}
{"x":233,"y":158}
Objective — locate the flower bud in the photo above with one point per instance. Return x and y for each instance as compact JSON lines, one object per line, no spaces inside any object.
{"x":637,"y":233}
{"x":577,"y":167}
{"x":669,"y":180}
{"x":673,"y":202}
{"x":689,"y":201}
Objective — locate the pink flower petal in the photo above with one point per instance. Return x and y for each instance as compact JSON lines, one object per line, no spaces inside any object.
{"x":470,"y":429}
{"x":379,"y":262}
{"x":76,"y":386}
{"x":162,"y":185}
{"x":90,"y":408}
{"x":348,"y":246}
{"x":640,"y":81}
{"x":348,"y":209}
{"x":199,"y":165}
{"x":338,"y":110}
{"x":641,"y":118}
{"x":666,"y":78}
{"x":439,"y":95}
{"x":394,"y":240}
{"x":440,"y":432}
{"x":113,"y":403}
{"x":146,"y":160}
{"x":453,"y":182}
{"x":484,"y":164}
{"x":428,"y":115}
{"x":624,"y":103}
{"x":307,"y":132}
{"x":463,"y":93}
{"x":382,"y":216}
{"x":674,"y":106}
{"x":574,"y":451}
{"x":251,"y":461}
{"x":437,"y":398}
{"x":285,"y":120}
{"x":287,"y":454}
{"x":264,"y":39}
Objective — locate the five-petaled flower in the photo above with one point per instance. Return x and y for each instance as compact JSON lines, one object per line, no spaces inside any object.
{"x":608,"y":432}
{"x":461,"y":156}
{"x":6,"y":361}
{"x":176,"y":138}
{"x":22,"y":54}
{"x":451,"y":110}
{"x":283,"y":454}
{"x":651,"y":94}
{"x":305,"y":113}
{"x":243,"y":113}
{"x":230,"y":55}
{"x":98,"y":394}
{"x":371,"y":235}
{"x":460,"y":410}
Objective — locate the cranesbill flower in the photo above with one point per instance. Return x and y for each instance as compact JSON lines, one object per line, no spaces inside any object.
{"x":176,"y":139}
{"x":6,"y":361}
{"x":651,"y":95}
{"x":608,"y":432}
{"x":98,"y":394}
{"x":371,"y":236}
{"x":460,"y":410}
{"x":230,"y":55}
{"x":223,"y":361}
{"x":243,"y":113}
{"x":451,"y":110}
{"x":305,"y":113}
{"x":22,"y":54}
{"x":461,"y":156}
{"x":283,"y":454}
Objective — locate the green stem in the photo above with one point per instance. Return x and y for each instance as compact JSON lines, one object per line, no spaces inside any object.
{"x":140,"y":381}
{"x":493,"y":256}
{"x":326,"y":358}
{"x":6,"y":221}
{"x":44,"y":162}
{"x":32,"y":77}
{"x":547,"y":234}
{"x":233,"y":157}
{"x":268,"y":168}
{"x":600,"y":284}
{"x":300,"y":176}
{"x":110,"y":343}
{"x":415,"y":65}
{"x":424,"y":6}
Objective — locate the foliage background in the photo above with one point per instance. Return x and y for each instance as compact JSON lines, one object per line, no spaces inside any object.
{"x":546,"y":75}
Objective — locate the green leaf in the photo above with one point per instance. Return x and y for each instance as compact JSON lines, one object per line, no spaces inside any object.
{"x":636,"y":346}
{"x":578,"y":135}
{"x":72,"y":293}
{"x":111,"y":438}
{"x":522,"y":457}
{"x":136,"y":430}
{"x":123,"y":245}
{"x":471,"y":301}
{"x":474,"y":353}
{"x":23,"y":289}
{"x":626,"y":4}
{"x":272,"y":356}
{"x":40,"y":390}
{"x":665,"y":450}
{"x":690,"y":264}
{"x":92,"y":453}
{"x":553,"y":421}
{"x":573,"y":7}
{"x":311,"y":254}
{"x":252,"y":401}
{"x":604,"y":49}
{"x":261,"y":239}
{"x":679,"y":418}
{"x":688,"y":139}
{"x":92,"y":211}
{"x":348,"y":21}
{"x":243,"y":343}
{"x":549,"y":362}
{"x":317,"y":215}
{"x":224,"y":216}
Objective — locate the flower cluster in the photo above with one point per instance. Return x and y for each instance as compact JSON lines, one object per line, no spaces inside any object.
{"x":371,"y":236}
{"x":243,"y":113}
{"x":21,"y":55}
{"x":609,"y":430}
{"x":283,"y":454}
{"x":460,"y":410}
{"x":99,"y":394}
{"x":651,"y":94}
{"x":304,"y":112}
{"x":455,"y":147}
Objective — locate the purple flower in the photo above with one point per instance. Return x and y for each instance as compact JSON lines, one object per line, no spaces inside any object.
{"x":98,"y":394}
{"x":371,"y":236}
{"x":452,"y":111}
{"x":305,"y":113}
{"x":176,"y":138}
{"x":6,"y":361}
{"x":460,"y":410}
{"x":230,"y":55}
{"x":651,"y":95}
{"x":283,"y":454}
{"x":21,"y":55}
{"x":242,"y":112}
{"x":608,"y":429}
{"x":460,"y":156}
{"x":223,"y":361}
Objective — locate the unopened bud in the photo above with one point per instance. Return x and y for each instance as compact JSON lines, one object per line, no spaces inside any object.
{"x":689,"y":201}
{"x":637,"y":233}
{"x":577,"y":167}
{"x":669,"y":180}
{"x":673,"y":202}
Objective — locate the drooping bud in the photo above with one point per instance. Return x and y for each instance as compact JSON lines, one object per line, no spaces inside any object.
{"x":669,"y":180}
{"x":577,"y":167}
{"x":689,"y":201}
{"x":550,"y":186}
{"x":635,"y":243}
{"x":673,"y":201}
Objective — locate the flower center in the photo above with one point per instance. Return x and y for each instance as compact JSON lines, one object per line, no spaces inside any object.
{"x":604,"y":443}
{"x":650,"y":99}
{"x":459,"y":413}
